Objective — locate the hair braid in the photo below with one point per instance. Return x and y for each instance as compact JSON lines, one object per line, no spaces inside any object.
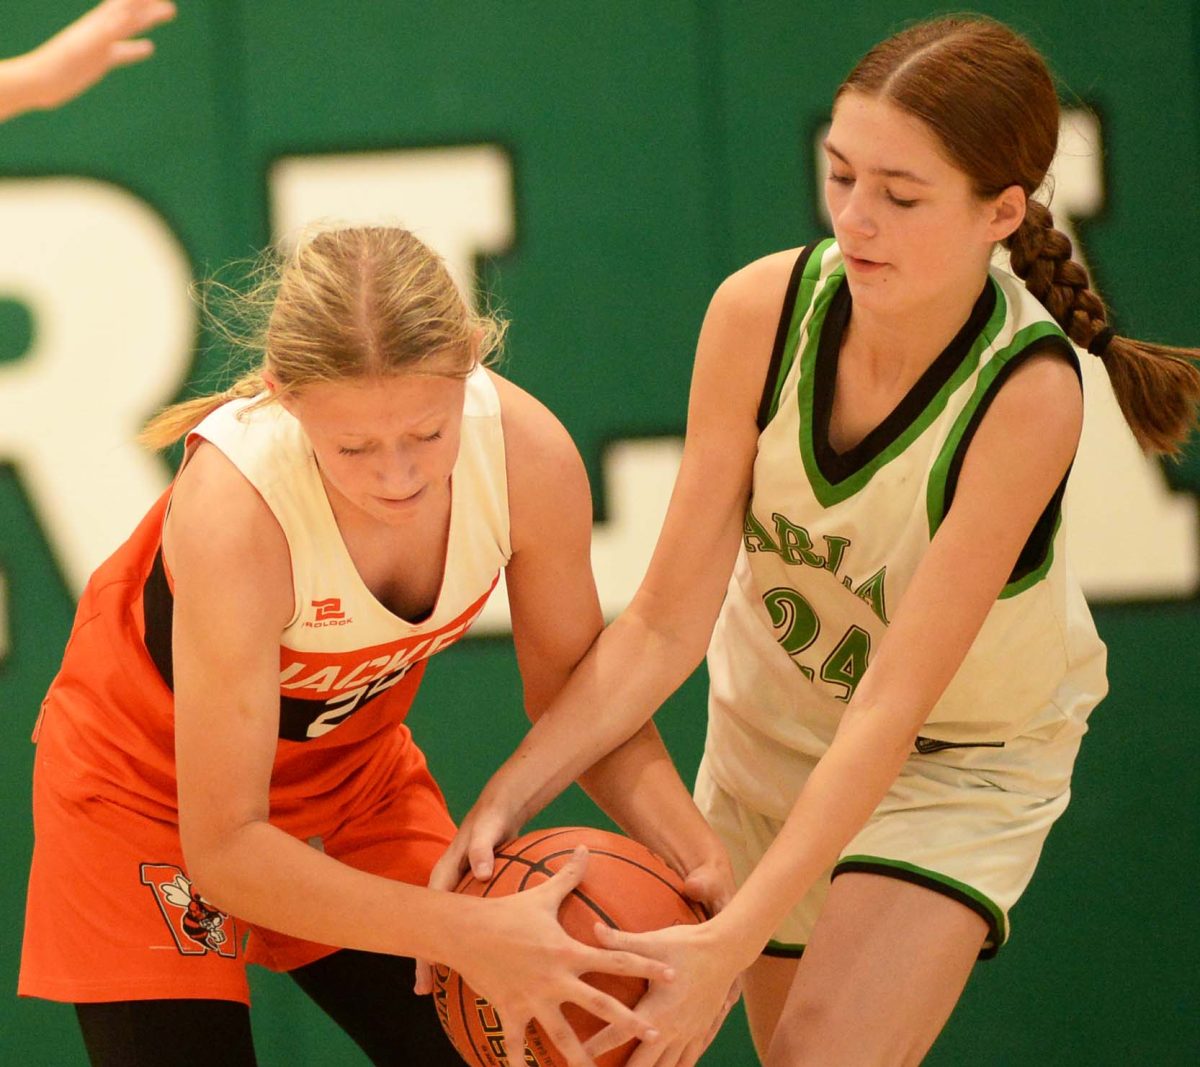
{"x":1041,"y":257}
{"x":1156,"y":386}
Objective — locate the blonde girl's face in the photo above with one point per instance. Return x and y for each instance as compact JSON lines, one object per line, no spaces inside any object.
{"x":907,"y":220}
{"x":387,"y":445}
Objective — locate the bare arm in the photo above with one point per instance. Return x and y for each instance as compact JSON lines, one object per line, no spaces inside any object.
{"x":556,"y":618}
{"x":77,"y":57}
{"x":642,"y":657}
{"x":233,"y":596}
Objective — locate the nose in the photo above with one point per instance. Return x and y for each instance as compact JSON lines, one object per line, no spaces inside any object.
{"x":398,"y":475}
{"x":852,"y":214}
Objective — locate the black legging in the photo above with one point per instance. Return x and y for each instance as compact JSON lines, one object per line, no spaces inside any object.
{"x":369,"y":995}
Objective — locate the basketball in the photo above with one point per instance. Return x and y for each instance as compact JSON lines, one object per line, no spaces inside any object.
{"x":626,"y":887}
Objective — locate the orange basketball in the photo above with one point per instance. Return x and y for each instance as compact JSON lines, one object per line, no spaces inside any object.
{"x":626,"y":886}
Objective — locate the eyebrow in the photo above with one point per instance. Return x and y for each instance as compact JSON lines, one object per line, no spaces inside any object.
{"x":886,"y":172}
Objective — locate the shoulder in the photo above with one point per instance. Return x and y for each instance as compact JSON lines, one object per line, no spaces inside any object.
{"x":754,"y":294}
{"x":532,"y":432}
{"x":544,"y":467}
{"x":219,"y":525}
{"x":1043,"y":393}
{"x":737,"y":340}
{"x":1028,"y":436}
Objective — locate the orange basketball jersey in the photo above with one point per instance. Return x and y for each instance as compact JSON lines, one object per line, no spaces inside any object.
{"x":349,"y":670}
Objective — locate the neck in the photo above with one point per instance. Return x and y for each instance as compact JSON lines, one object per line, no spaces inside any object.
{"x":903,"y":344}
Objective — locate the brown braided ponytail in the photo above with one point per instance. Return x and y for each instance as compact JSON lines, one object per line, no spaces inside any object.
{"x":986,"y":94}
{"x":1157,"y":387}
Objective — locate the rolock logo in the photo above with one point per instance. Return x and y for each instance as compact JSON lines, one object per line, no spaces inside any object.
{"x":331,"y":608}
{"x":328,"y":612}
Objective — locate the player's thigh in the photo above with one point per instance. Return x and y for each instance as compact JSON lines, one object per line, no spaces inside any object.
{"x":181,"y":1033}
{"x":887,"y":962}
{"x":765,"y":988}
{"x":370,"y":996}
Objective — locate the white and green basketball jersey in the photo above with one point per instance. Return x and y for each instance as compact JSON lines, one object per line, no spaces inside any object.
{"x":832,"y":541}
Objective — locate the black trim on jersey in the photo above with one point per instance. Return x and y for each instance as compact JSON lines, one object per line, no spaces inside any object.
{"x":781,"y":336}
{"x":1041,"y":537}
{"x":995,"y":934}
{"x":784,"y":953}
{"x":838,"y":466}
{"x":158,"y":607}
{"x":924,"y":746}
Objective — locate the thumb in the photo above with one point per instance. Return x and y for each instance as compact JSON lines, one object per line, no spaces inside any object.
{"x":123,"y":53}
{"x":482,"y":861}
{"x":704,"y":888}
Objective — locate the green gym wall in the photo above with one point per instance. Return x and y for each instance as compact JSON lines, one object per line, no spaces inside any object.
{"x":598,"y":168}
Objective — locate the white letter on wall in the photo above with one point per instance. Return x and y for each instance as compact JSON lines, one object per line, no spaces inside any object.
{"x":106,"y":283}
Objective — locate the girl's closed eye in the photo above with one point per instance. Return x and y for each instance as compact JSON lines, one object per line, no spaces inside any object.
{"x":345,"y":450}
{"x":899,"y":202}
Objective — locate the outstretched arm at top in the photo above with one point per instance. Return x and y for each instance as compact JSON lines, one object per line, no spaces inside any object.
{"x":233,"y":598}
{"x":77,"y":57}
{"x":1020,"y":454}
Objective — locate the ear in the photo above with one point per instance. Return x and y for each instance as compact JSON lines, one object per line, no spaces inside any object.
{"x":277,"y":391}
{"x":1006,"y":213}
{"x":476,"y":345}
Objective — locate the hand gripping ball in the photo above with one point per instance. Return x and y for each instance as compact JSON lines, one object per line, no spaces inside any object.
{"x":626,"y":886}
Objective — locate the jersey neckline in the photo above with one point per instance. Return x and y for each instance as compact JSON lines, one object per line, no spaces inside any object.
{"x":913,"y":412}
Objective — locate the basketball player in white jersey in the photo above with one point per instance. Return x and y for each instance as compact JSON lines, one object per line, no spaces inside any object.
{"x":867,"y":537}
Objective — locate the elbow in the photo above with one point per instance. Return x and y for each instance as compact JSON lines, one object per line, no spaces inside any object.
{"x":675,"y":640}
{"x":209,"y":862}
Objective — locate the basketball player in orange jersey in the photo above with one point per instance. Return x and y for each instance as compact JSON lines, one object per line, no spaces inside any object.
{"x":867,"y":537}
{"x":77,"y":57}
{"x":223,"y":750}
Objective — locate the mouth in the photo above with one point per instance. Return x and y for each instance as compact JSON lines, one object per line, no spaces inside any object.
{"x":401,"y":502}
{"x":864,"y":266}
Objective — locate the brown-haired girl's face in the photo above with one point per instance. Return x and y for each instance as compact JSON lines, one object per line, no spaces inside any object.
{"x":909,"y":224}
{"x":387,"y":445}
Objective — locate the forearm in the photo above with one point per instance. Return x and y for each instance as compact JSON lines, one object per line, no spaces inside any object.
{"x":19,"y":86}
{"x":629,"y":671}
{"x":845,"y":787}
{"x":638,"y":786}
{"x":264,"y":876}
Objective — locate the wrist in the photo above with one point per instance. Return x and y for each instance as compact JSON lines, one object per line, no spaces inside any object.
{"x":503,"y":798}
{"x":738,"y":935}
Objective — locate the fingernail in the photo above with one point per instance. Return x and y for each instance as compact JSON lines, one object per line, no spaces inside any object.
{"x":650,"y":1035}
{"x":669,"y":974}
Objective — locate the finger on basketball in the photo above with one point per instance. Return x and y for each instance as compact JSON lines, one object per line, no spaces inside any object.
{"x":623,"y":1022}
{"x":620,"y":1032}
{"x":482,"y":861}
{"x":564,"y":1038}
{"x":629,"y":964}
{"x":569,"y":875}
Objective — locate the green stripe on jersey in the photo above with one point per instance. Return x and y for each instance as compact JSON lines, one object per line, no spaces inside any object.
{"x":804,"y":295}
{"x":935,"y":494}
{"x":984,"y":903}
